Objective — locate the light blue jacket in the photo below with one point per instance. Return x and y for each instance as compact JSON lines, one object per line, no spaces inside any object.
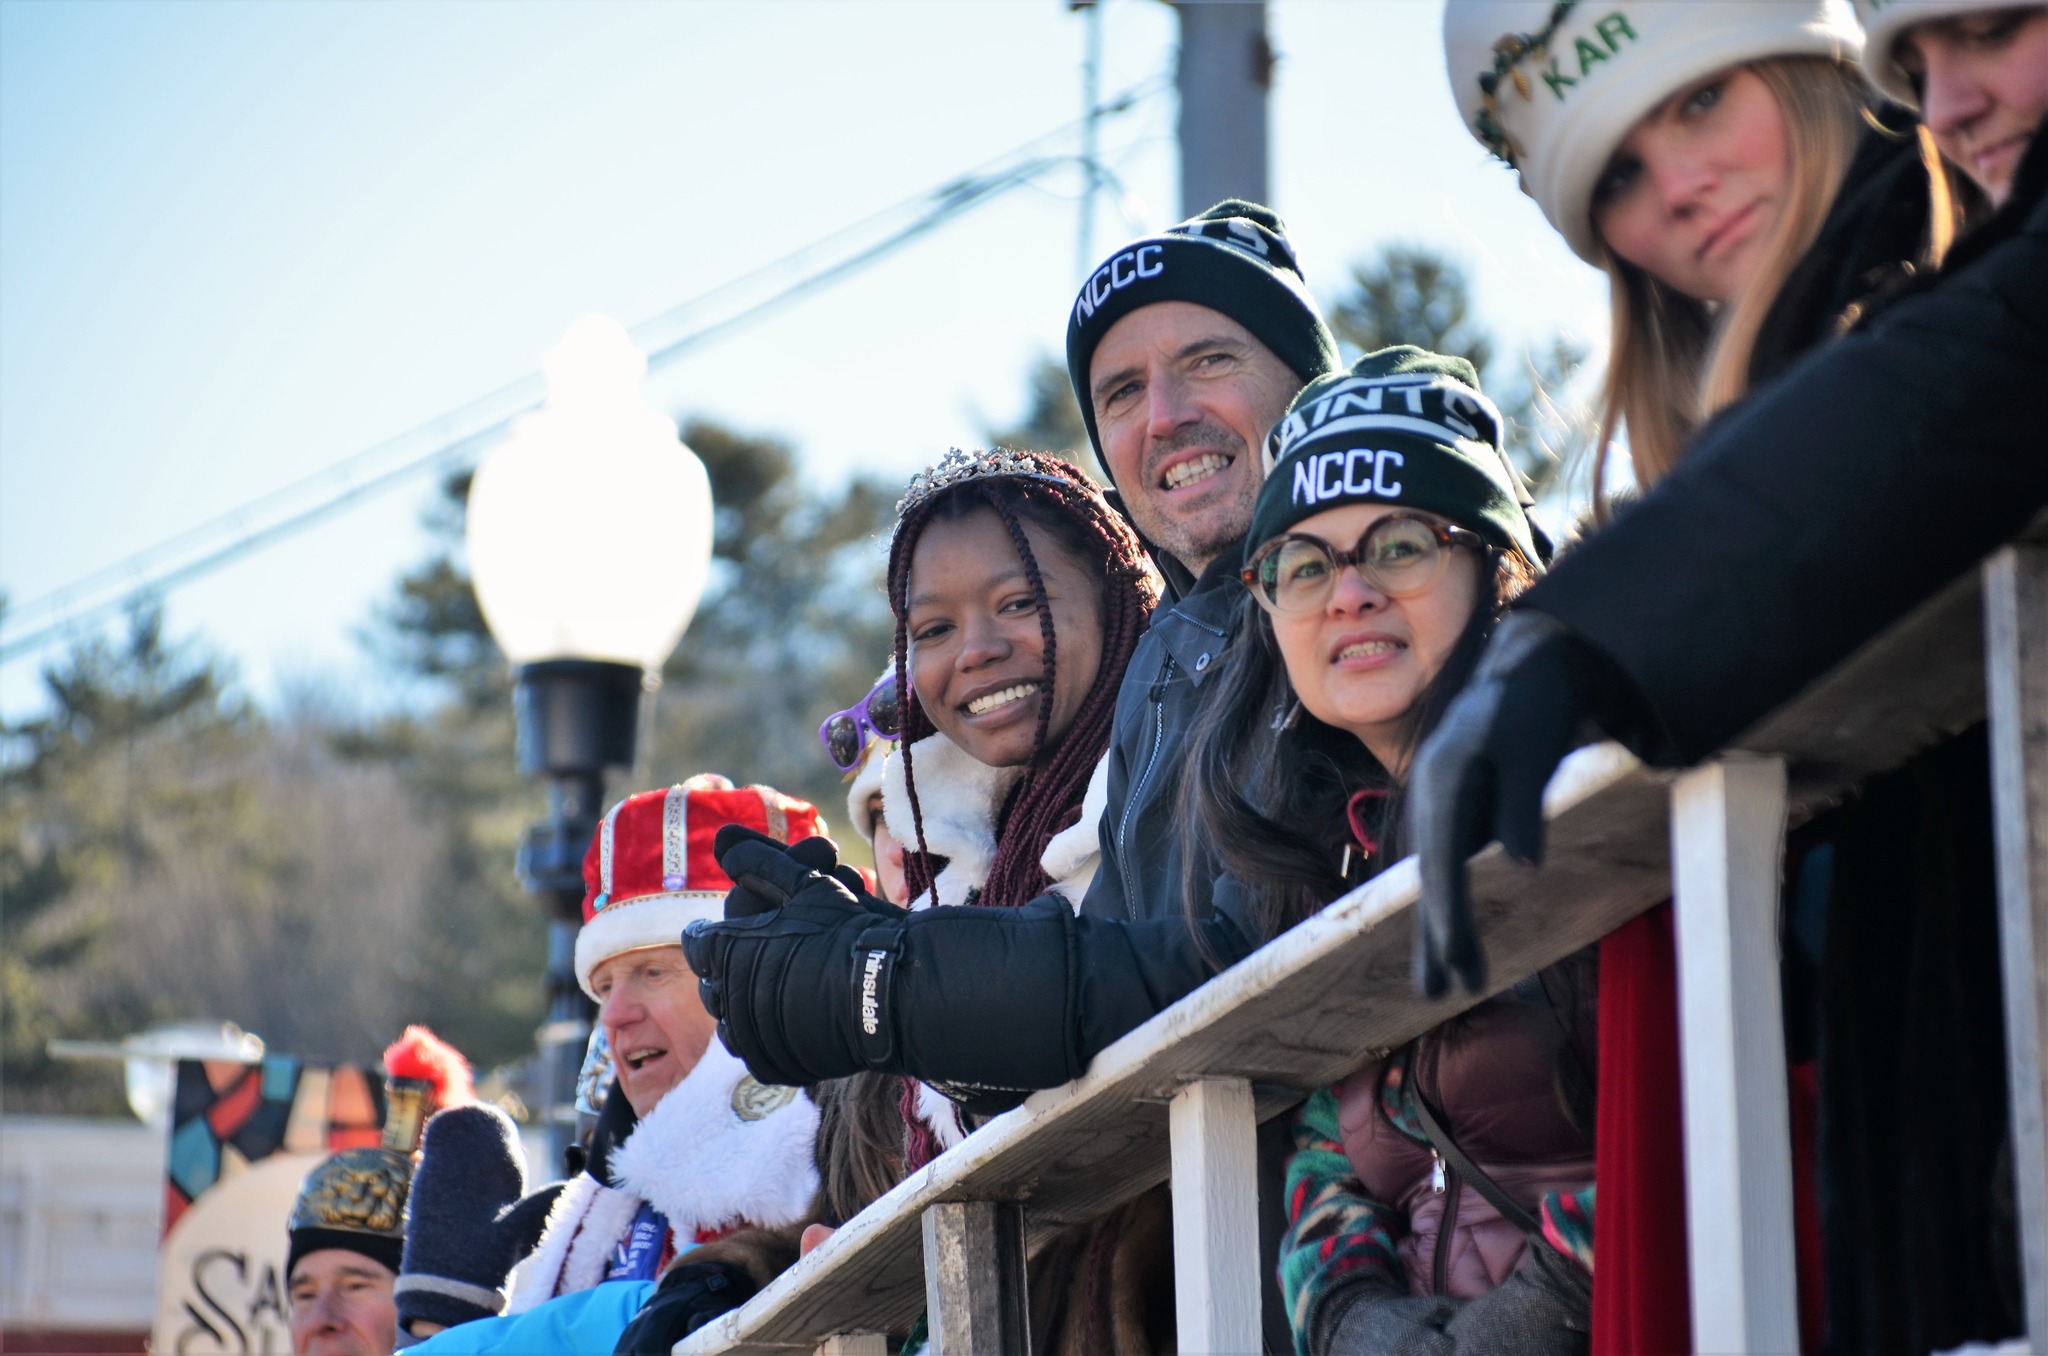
{"x":586,"y":1323}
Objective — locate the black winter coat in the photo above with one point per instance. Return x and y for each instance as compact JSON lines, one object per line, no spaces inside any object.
{"x":1809,"y":517}
{"x":1802,"y":522}
{"x":1142,"y":867}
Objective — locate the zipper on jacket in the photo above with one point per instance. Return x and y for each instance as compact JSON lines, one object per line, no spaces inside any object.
{"x":1446,"y":1226}
{"x":1123,"y":842}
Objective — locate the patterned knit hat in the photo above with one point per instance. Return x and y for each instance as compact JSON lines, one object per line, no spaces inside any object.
{"x":1552,"y":86}
{"x":356,"y":1199}
{"x":650,"y":871}
{"x":1404,"y":426}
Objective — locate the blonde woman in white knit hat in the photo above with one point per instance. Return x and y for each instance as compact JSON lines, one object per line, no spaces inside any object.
{"x":1720,"y":162}
{"x":1977,"y":73}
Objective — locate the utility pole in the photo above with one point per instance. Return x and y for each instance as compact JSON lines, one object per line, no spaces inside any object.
{"x":1091,"y":109}
{"x":1225,"y":73}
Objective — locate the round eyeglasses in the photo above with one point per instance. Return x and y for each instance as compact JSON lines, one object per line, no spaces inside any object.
{"x":1399,"y":555}
{"x":878,"y":714}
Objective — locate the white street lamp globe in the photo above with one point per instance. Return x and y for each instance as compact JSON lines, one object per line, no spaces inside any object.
{"x":589,"y":528}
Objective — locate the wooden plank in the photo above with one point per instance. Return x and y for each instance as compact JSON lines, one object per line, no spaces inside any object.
{"x":2016,"y":664}
{"x":1299,"y":1013}
{"x":854,"y":1344}
{"x":1335,"y":992}
{"x":975,"y":1295}
{"x":1214,"y":1130}
{"x":1727,"y":841}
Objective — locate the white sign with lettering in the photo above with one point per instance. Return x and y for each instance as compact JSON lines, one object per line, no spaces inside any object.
{"x":220,"y":1283}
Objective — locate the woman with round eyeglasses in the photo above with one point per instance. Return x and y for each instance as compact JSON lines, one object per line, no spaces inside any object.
{"x":1367,"y":628}
{"x":1438,"y":1198}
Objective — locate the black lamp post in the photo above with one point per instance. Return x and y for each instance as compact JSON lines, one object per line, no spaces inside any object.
{"x":589,"y":536}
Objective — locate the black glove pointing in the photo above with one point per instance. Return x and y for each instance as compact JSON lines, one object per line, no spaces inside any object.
{"x":1480,"y":775}
{"x":779,"y":972}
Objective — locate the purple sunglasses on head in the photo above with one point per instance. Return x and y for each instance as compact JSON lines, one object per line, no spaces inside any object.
{"x":878,"y":713}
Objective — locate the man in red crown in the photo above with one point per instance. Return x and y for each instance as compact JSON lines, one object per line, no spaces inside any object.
{"x":691,"y":1149}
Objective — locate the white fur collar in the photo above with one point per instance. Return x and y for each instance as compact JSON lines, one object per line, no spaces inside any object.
{"x":942,"y":1114}
{"x":694,"y":1159}
{"x":1075,"y":851}
{"x":704,"y":1167}
{"x":587,"y":1219}
{"x":960,"y":798}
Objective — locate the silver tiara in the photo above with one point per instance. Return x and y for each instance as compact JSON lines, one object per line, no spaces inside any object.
{"x":958,"y":466}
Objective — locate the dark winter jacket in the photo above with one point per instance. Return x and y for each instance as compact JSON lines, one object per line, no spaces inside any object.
{"x":1832,"y":501}
{"x":1142,"y":868}
{"x":1867,"y":475}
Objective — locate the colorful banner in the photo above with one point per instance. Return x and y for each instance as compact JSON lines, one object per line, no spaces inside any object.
{"x":243,"y":1137}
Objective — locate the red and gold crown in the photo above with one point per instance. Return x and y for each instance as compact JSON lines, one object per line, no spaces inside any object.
{"x":650,"y":871}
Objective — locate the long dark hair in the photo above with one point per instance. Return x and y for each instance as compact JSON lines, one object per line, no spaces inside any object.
{"x":1055,"y":497}
{"x":1264,"y":790}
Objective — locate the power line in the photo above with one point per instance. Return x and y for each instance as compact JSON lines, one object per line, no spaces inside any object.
{"x":454,"y":439}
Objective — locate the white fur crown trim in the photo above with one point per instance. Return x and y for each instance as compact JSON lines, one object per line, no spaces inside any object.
{"x":651,"y":920}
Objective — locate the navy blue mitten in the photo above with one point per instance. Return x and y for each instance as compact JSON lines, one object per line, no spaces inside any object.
{"x":468,"y":1222}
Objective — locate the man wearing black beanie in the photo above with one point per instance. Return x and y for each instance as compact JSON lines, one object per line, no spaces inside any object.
{"x":1184,"y":348}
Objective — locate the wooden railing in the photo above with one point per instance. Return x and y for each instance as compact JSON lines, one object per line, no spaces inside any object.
{"x":1181,"y":1096}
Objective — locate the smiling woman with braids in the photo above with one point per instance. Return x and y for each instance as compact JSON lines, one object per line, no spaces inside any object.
{"x":1019,"y":596}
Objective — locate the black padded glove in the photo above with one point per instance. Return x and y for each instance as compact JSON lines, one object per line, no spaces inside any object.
{"x":1480,"y":775}
{"x":467,"y":1223}
{"x":814,"y":853}
{"x":778,"y":972}
{"x":809,"y":981}
{"x":690,"y":1295}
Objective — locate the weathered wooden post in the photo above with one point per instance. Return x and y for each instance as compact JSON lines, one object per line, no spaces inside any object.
{"x":2016,"y":683}
{"x":1727,"y":844}
{"x":975,"y":1296}
{"x":1214,"y":1131}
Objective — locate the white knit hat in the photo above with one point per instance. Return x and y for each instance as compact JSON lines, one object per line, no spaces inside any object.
{"x":1885,"y":22}
{"x":1552,"y":86}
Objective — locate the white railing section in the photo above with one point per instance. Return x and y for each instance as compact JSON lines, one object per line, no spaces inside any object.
{"x":1181,"y":1096}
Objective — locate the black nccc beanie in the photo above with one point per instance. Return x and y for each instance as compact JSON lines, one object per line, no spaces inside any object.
{"x":1235,"y":259}
{"x":1404,"y":426}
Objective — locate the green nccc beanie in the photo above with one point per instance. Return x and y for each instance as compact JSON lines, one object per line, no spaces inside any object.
{"x":1235,"y":259}
{"x":1403,"y":426}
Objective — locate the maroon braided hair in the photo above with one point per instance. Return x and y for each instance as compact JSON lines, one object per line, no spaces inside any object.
{"x":1055,"y":496}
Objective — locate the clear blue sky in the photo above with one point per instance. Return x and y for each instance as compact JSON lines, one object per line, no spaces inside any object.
{"x":241,"y":241}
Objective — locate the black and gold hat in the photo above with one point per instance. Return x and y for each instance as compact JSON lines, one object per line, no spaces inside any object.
{"x":356,"y":1199}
